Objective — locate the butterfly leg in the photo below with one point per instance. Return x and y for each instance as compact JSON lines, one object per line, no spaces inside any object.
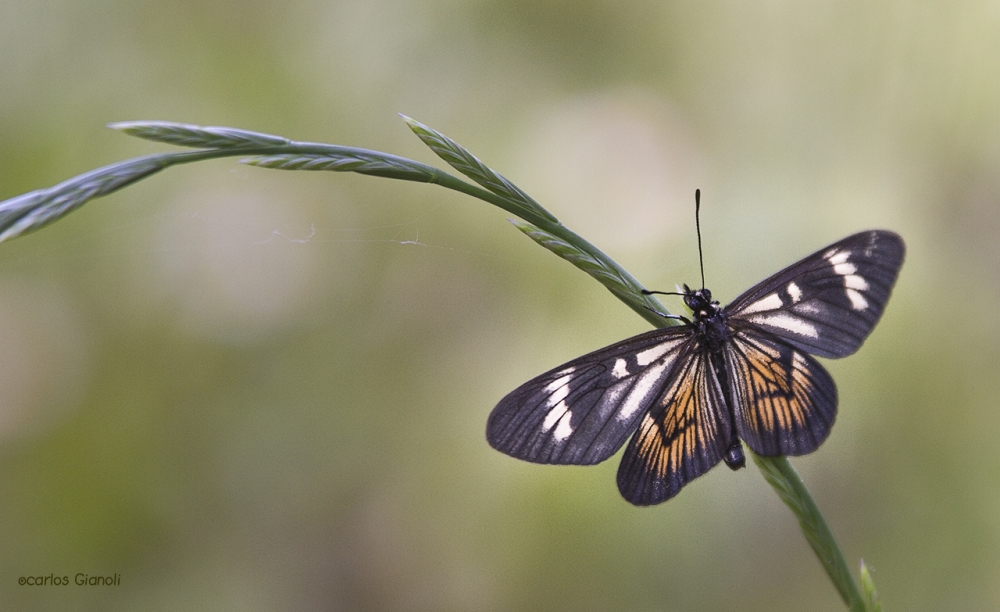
{"x":663,"y":314}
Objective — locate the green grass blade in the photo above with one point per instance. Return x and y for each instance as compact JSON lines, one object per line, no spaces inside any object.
{"x":30,"y":211}
{"x":616,"y":280}
{"x":371,"y":163}
{"x":468,"y":164}
{"x":196,"y":136}
{"x":36,"y":209}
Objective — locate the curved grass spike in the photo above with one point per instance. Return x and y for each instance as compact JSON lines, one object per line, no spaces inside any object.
{"x":30,"y":211}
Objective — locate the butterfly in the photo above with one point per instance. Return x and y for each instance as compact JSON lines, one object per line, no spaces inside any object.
{"x":689,"y":393}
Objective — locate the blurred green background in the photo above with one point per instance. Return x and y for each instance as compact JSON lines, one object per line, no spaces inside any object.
{"x":242,"y":389}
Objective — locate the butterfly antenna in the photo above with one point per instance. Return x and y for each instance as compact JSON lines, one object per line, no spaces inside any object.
{"x":697,"y":226}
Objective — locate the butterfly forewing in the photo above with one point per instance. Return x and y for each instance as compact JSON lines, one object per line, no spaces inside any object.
{"x":682,"y":436}
{"x":827,"y":303}
{"x":582,"y":412}
{"x":785,"y":401}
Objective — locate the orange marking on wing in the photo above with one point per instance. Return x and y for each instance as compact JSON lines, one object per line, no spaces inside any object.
{"x":666,"y":445}
{"x":779,"y":390}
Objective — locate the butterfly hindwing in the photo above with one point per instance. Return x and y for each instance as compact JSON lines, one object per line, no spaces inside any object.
{"x":583,"y":411}
{"x":683,"y":435}
{"x":785,"y":401}
{"x":827,"y":303}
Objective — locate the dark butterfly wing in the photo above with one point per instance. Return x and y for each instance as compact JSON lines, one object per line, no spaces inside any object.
{"x":785,"y":401}
{"x":827,"y":303}
{"x":683,"y":435}
{"x":582,"y":411}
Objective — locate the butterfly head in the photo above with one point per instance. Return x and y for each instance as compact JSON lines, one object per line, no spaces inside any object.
{"x":700,"y":302}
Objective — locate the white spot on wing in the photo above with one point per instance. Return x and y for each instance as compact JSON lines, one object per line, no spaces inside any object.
{"x":559,"y":388}
{"x":621,"y":369}
{"x":837,"y":257}
{"x":845,"y":269}
{"x":563,"y":429}
{"x":807,"y":308}
{"x":769,"y":302}
{"x":787,"y":322}
{"x":554,"y":415}
{"x":853,"y":281}
{"x":559,"y":392}
{"x":794,"y":292}
{"x":564,"y":377}
{"x":650,"y":355}
{"x":639,"y":396}
{"x":858,"y":301}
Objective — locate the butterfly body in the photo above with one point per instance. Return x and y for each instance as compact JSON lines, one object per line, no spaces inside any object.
{"x":684,"y":396}
{"x":711,"y":327}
